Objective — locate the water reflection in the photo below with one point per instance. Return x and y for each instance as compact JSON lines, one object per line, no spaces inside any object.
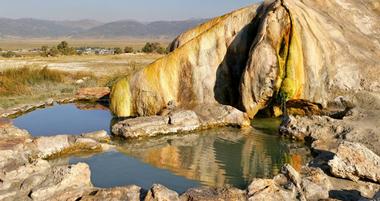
{"x":220,"y":156}
{"x":116,"y":169}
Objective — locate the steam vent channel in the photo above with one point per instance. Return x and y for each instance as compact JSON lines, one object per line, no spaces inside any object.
{"x":279,"y":100}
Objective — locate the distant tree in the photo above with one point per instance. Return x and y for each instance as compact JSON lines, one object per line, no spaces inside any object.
{"x":44,"y":51}
{"x":128,"y":49}
{"x":53,"y":52}
{"x":64,"y":48}
{"x":44,"y":48}
{"x":1,"y":49}
{"x":161,"y":50}
{"x":9,"y":54}
{"x":153,"y":47}
{"x":117,"y":50}
{"x":148,"y":48}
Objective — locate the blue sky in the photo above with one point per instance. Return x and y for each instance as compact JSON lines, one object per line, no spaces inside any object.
{"x":110,"y":10}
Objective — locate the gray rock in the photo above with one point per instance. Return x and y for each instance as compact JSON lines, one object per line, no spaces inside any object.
{"x":354,"y":161}
{"x":315,"y":184}
{"x":48,"y":146}
{"x":129,"y":193}
{"x":10,"y":131}
{"x":269,"y":189}
{"x":161,"y":193}
{"x":309,"y":184}
{"x":49,"y":102}
{"x":141,"y":127}
{"x":207,"y":116}
{"x":292,"y":175}
{"x":62,"y":179}
{"x":185,"y":118}
{"x":97,"y":135}
{"x":214,"y":194}
{"x":23,"y":172}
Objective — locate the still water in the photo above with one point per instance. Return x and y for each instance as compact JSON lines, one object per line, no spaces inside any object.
{"x":71,"y":119}
{"x":208,"y":158}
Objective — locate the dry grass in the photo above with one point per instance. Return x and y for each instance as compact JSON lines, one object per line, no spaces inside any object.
{"x":137,"y":44}
{"x":26,"y":80}
{"x":22,"y":81}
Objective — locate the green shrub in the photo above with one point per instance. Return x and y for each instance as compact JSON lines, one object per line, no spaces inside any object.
{"x":61,"y":49}
{"x":9,"y":54}
{"x":64,"y":49}
{"x":154,"y":47}
{"x":128,"y":49}
{"x":117,"y":50}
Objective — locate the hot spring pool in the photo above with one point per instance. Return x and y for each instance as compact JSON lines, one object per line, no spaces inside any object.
{"x":212,"y":158}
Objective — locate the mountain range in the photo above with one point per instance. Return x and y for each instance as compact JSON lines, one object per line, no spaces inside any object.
{"x":36,"y":28}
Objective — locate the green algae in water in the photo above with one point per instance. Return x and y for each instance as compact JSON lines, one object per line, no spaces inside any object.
{"x":267,"y":125}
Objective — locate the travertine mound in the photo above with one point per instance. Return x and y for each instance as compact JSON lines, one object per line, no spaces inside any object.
{"x":260,"y":56}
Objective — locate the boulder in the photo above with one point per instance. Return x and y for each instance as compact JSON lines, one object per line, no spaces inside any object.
{"x":159,"y":192}
{"x":55,"y":146}
{"x":62,"y":179}
{"x":312,"y":127}
{"x":309,"y":184}
{"x":315,"y":184}
{"x":268,"y":189}
{"x":354,"y":161}
{"x":178,"y":121}
{"x":48,"y":146}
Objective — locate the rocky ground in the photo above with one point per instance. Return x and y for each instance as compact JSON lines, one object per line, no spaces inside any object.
{"x":345,"y":145}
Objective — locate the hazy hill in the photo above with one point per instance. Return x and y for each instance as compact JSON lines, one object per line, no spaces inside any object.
{"x":138,"y":29}
{"x":80,"y":24}
{"x":34,"y":28}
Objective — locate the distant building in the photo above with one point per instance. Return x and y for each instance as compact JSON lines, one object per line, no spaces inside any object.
{"x":95,"y":50}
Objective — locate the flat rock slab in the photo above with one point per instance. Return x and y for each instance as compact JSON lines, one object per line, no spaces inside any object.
{"x":24,"y":108}
{"x":93,"y":93}
{"x":207,"y":116}
{"x":355,"y":161}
